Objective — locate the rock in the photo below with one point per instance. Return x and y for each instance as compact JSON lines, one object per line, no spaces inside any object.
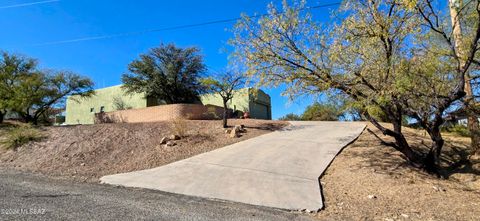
{"x":234,"y":133}
{"x":438,"y":188}
{"x":82,"y":164}
{"x":239,"y":128}
{"x":170,"y":144}
{"x":164,"y":140}
{"x":174,"y":137}
{"x":372,"y":196}
{"x":404,"y":215}
{"x":464,"y":177}
{"x":228,"y":131}
{"x":236,"y":128}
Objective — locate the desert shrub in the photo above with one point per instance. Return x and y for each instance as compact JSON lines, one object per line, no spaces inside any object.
{"x":291,"y":116}
{"x":21,"y":135}
{"x":322,"y":112}
{"x":179,"y":127}
{"x":120,"y":104}
{"x":457,"y":129}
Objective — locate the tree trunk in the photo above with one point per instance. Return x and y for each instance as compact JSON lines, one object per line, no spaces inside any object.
{"x":225,"y":112}
{"x":2,"y":115}
{"x":35,"y":120}
{"x":472,"y":119}
{"x":403,"y":146}
{"x":401,"y":143}
{"x":473,"y":124}
{"x":432,"y":160}
{"x":473,"y":127}
{"x":29,"y":119}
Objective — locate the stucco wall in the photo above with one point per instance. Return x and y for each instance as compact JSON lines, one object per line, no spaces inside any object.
{"x":78,"y":110}
{"x":239,"y":101}
{"x":256,"y":102}
{"x":260,"y":105}
{"x":162,"y":113}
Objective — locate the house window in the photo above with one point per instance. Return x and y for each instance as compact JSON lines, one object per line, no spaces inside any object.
{"x":102,"y":109}
{"x":92,"y":110}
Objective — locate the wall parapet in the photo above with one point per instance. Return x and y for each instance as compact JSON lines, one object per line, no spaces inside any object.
{"x":161,"y":113}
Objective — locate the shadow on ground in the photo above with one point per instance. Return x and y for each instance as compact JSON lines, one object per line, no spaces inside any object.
{"x":455,"y":155}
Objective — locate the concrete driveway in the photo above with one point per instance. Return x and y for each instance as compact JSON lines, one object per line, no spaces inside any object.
{"x":25,"y":196}
{"x":279,"y":169}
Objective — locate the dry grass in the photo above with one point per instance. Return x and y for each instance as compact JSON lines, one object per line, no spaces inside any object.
{"x":402,"y":193}
{"x":179,"y":127}
{"x":16,"y":135}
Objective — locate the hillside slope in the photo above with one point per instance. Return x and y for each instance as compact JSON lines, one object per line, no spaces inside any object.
{"x":87,"y":152}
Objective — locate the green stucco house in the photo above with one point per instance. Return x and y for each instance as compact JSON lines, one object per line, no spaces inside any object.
{"x":82,"y":110}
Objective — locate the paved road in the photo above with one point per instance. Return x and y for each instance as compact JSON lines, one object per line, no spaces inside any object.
{"x":43,"y":198}
{"x":279,"y":170}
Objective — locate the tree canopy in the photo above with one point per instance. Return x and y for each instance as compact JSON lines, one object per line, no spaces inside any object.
{"x":224,"y":85}
{"x":378,"y":53}
{"x":292,"y":117}
{"x":167,"y":73}
{"x":13,"y":68}
{"x":322,"y":112}
{"x":325,"y":111}
{"x":31,"y":92}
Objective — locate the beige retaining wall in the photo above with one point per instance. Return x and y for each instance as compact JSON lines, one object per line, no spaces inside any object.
{"x":162,"y":113}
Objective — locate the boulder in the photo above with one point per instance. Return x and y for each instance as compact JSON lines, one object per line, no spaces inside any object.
{"x":240,"y":128}
{"x":237,"y":128}
{"x":174,"y":137}
{"x":164,"y":140}
{"x":170,"y":144}
{"x":234,"y":133}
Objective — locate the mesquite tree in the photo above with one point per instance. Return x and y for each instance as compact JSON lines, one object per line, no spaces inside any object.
{"x":445,"y":43}
{"x":224,"y":85}
{"x":374,"y":54}
{"x":464,"y":18}
{"x":167,"y":73}
{"x":13,"y":68}
{"x":33,"y":93}
{"x":37,"y":93}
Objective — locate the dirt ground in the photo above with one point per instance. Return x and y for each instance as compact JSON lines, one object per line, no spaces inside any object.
{"x":368,"y":181}
{"x":88,"y":152}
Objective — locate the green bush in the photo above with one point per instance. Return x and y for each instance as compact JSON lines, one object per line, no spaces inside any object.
{"x":291,"y":116}
{"x":457,"y":129}
{"x":21,"y":135}
{"x":322,"y":112}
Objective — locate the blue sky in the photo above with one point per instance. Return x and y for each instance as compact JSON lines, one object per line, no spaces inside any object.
{"x":104,"y":60}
